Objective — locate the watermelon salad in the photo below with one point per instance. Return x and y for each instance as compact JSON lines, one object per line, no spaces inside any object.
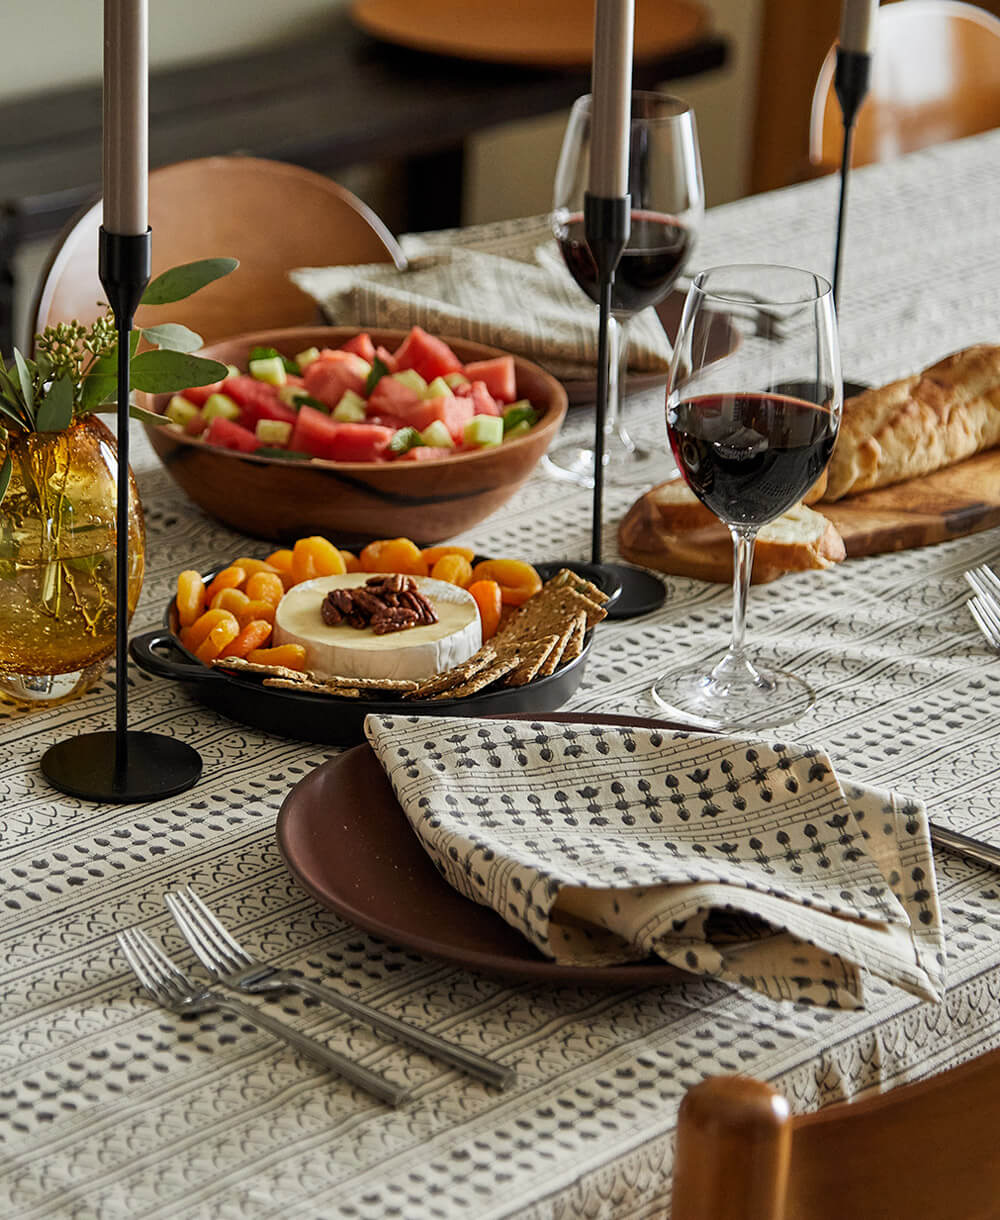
{"x":359,"y":403}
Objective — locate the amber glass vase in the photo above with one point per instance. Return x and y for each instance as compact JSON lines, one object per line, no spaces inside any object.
{"x":57,"y":561}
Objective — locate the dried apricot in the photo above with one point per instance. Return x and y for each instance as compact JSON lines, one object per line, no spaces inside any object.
{"x":315,"y":556}
{"x":433,"y":553}
{"x":193,"y":636}
{"x":229,"y":578}
{"x":253,"y":566}
{"x":281,"y":561}
{"x":351,"y":562}
{"x":455,"y":569}
{"x":256,"y":610}
{"x":488,"y":598}
{"x":190,"y":596}
{"x":222,"y":634}
{"x":393,"y":555}
{"x":517,"y":580}
{"x":265,"y":587}
{"x":233,"y":600}
{"x":291,"y":656}
{"x":255,"y":634}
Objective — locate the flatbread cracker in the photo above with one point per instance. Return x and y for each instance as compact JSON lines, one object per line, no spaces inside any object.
{"x":554,"y":659}
{"x":372,"y":684}
{"x":480,"y":680}
{"x":316,"y":688}
{"x":531,"y":657}
{"x":454,"y":676}
{"x":566,"y":576}
{"x":574,"y":644}
{"x":239,"y":665}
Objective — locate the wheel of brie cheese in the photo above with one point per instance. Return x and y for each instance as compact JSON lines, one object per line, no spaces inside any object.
{"x":352,"y":652}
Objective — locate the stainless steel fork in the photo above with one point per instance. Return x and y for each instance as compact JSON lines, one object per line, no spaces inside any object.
{"x":984,"y":606}
{"x":233,"y":966}
{"x":171,"y":988}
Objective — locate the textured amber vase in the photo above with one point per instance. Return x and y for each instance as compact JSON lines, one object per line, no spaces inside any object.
{"x":57,"y":561}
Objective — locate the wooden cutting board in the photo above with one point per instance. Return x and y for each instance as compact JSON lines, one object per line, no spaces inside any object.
{"x":958,"y":500}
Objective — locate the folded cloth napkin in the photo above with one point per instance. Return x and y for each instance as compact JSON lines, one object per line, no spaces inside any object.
{"x":744,"y":860}
{"x":510,"y":291}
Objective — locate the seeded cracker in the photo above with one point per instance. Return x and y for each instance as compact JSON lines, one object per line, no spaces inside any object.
{"x":455,"y":676}
{"x":318,"y":688}
{"x":565,"y":576}
{"x":238,"y":665}
{"x":479,"y":681}
{"x":531,"y":657}
{"x":574,"y":645}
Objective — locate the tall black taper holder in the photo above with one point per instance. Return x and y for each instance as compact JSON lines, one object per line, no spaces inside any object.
{"x":607,"y":222}
{"x":122,"y":766}
{"x":850,"y":83}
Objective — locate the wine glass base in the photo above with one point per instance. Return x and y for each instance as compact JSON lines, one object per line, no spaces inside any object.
{"x":622,"y":466}
{"x":767,"y":700}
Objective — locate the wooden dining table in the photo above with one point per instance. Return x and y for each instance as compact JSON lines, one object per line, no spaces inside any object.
{"x":111,"y":1107}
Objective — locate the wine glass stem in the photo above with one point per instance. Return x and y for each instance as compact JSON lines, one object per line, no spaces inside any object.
{"x":735,"y":663}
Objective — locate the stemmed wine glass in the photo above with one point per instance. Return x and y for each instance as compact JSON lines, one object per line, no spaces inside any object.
{"x":751,"y":434}
{"x":667,"y":205}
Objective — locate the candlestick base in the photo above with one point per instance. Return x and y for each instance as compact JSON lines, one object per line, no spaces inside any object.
{"x":88,"y":766}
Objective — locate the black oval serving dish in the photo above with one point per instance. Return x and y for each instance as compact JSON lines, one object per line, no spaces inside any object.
{"x":311,"y":716}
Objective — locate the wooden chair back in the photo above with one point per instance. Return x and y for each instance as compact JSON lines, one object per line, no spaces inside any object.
{"x":270,"y":215}
{"x":935,"y":76}
{"x":924,"y":1150}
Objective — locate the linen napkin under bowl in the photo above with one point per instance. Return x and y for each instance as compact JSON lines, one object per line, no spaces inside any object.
{"x":748,"y":861}
{"x":511,"y":292}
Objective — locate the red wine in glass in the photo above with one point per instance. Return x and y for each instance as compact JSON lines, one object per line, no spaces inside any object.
{"x":652,"y":260}
{"x":749,"y":457}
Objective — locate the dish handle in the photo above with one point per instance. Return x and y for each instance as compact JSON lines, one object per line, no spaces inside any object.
{"x":149,"y":652}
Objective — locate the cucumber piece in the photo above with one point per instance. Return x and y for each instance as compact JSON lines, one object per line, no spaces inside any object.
{"x":350,"y":409}
{"x":219,"y":404}
{"x":484,"y":430}
{"x":437,"y":436}
{"x":438,"y":388}
{"x":404,"y":440}
{"x":292,"y":395}
{"x":454,"y":380}
{"x":411,"y":378}
{"x":180,"y":410}
{"x":269,"y":369}
{"x":273,"y":432}
{"x":304,"y":359}
{"x":518,"y":430}
{"x":519,"y":412}
{"x":272,"y":353}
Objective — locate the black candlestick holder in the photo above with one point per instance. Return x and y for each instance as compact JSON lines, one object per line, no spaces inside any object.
{"x":606,"y":226}
{"x":120,"y":765}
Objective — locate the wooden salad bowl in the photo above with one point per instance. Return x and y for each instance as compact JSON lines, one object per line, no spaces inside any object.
{"x":284,"y":499}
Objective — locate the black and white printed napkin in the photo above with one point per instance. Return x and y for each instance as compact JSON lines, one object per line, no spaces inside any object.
{"x":745,"y":860}
{"x":508,"y":290}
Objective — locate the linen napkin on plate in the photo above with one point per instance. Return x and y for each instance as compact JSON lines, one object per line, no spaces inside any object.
{"x":510,"y":291}
{"x":744,"y":860}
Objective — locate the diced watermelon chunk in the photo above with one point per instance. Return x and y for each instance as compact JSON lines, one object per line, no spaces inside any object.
{"x":200,"y":394}
{"x":263,"y":405}
{"x":387,"y":358}
{"x":247,"y":391}
{"x":230,"y":435}
{"x":430,"y":356}
{"x":424,"y":453}
{"x":361,"y":345}
{"x":392,"y":397}
{"x":316,"y":433}
{"x":453,"y":412}
{"x":498,"y":375}
{"x":333,"y":373}
{"x":483,"y":400}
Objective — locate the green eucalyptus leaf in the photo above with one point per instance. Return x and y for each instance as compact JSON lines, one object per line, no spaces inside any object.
{"x":173,"y":337}
{"x":14,"y":415}
{"x":159,"y":372}
{"x":24,"y":377}
{"x":147,"y":417}
{"x":55,"y":411}
{"x":180,"y":282}
{"x":101,"y":383}
{"x":6,"y":470}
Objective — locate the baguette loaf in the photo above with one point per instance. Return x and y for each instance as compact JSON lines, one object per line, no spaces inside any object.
{"x":670,"y":530}
{"x":919,"y":424}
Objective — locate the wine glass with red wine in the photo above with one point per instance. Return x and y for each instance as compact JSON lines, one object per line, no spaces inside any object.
{"x":751,"y":434}
{"x":667,"y":205}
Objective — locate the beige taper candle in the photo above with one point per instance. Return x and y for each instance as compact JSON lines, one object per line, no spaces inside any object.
{"x":126,"y":115}
{"x":857,"y":25}
{"x":611,"y":94}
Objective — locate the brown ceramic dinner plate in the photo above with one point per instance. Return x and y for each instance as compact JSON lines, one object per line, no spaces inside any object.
{"x":348,"y":842}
